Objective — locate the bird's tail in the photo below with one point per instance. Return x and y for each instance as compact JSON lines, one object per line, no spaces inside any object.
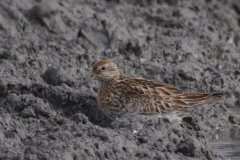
{"x":201,"y":98}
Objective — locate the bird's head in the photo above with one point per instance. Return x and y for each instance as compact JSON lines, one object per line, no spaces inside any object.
{"x":103,"y":71}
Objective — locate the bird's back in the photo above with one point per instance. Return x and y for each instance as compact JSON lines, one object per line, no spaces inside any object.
{"x":130,"y":95}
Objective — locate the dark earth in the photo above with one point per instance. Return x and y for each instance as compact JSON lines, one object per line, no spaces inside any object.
{"x":48,"y":47}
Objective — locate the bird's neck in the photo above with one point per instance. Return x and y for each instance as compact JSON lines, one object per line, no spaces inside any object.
{"x":110,"y":81}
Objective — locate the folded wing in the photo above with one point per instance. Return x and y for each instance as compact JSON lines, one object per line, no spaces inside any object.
{"x":156,"y":97}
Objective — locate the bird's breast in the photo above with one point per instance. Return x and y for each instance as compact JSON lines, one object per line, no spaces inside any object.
{"x":109,"y":100}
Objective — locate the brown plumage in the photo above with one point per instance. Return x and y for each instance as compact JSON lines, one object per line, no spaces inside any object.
{"x":124,"y":95}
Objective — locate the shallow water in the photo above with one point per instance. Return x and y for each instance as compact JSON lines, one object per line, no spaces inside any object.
{"x":227,"y":142}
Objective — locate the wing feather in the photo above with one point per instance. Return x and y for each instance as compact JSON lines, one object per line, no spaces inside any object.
{"x":156,"y":97}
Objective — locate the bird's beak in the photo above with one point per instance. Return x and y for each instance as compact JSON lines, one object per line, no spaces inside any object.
{"x":92,"y":77}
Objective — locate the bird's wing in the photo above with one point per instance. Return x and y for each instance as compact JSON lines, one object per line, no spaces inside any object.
{"x":156,"y":97}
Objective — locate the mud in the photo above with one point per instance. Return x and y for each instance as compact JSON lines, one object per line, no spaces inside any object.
{"x":48,"y":47}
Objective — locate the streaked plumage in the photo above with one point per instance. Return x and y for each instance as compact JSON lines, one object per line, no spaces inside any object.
{"x":124,"y":95}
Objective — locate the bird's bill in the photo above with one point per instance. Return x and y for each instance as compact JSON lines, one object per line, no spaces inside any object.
{"x":92,"y":77}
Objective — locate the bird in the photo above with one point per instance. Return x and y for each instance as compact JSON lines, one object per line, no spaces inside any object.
{"x":124,"y":95}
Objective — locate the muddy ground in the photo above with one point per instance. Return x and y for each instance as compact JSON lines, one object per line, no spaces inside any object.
{"x":48,"y":47}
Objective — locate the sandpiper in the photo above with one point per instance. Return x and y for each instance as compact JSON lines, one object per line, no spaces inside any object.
{"x":124,"y":95}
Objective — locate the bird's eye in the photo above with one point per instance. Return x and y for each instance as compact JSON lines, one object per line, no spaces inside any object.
{"x":103,"y":68}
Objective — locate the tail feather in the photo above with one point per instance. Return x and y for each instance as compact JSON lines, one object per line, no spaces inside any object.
{"x":181,"y":104}
{"x":218,"y":96}
{"x":200,"y":98}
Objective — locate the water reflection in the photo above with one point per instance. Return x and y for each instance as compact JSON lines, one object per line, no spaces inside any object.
{"x":227,"y":142}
